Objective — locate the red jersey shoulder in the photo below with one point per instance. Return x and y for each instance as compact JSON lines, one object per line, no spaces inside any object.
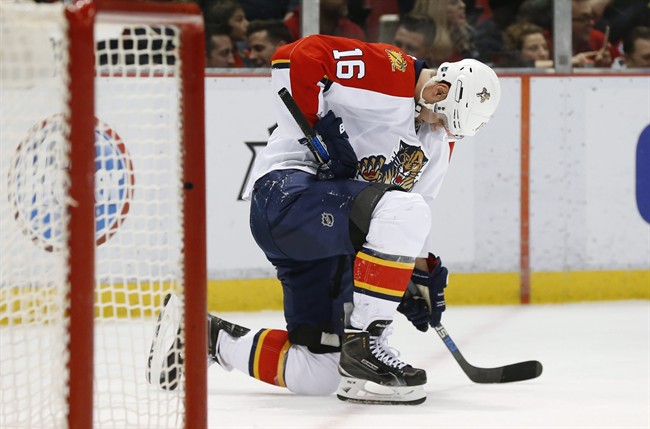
{"x":283,"y":52}
{"x":372,"y":66}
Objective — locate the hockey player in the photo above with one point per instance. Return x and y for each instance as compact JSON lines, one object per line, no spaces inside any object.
{"x":348,"y":237}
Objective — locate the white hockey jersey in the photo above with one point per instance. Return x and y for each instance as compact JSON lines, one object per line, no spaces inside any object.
{"x":370,"y":86}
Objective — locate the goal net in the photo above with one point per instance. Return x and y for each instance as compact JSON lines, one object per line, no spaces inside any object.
{"x":102,"y":211}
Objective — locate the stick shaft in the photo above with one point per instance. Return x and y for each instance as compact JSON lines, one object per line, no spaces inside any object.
{"x":504,"y":374}
{"x":312,"y":139}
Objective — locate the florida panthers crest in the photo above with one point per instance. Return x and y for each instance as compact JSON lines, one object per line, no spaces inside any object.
{"x":403,"y":169}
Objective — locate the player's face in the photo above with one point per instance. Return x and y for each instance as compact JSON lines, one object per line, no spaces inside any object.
{"x":435,"y":94}
{"x":534,"y":47}
{"x":239,"y":25}
{"x":411,"y":43}
{"x":640,"y":56}
{"x":221,"y":53}
{"x":261,"y":49}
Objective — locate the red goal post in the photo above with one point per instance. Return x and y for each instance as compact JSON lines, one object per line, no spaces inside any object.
{"x":94,"y":235}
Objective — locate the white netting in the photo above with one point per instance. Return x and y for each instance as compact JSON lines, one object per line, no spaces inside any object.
{"x":33,"y":219}
{"x":137,"y":99}
{"x":138,"y":215}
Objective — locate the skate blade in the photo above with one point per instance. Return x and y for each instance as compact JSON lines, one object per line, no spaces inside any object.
{"x":366,"y":392}
{"x":164,"y":361}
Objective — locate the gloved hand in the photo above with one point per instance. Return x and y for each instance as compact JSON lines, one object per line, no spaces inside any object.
{"x":343,"y":160}
{"x":424,"y":300}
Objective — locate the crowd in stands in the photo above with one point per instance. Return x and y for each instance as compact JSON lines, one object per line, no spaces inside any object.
{"x":502,"y":33}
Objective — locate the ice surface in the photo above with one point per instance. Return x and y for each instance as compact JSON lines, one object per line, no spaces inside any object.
{"x":596,"y":359}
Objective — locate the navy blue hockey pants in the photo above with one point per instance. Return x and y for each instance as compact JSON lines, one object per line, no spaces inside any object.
{"x":302,"y":225}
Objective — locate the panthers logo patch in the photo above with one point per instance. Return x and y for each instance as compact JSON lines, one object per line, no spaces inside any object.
{"x":397,"y":61}
{"x":483,"y":95}
{"x":403,"y":169}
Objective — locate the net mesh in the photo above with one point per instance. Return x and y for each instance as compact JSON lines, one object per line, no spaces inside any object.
{"x":138,"y":215}
{"x":34,"y":149}
{"x":138,"y":210}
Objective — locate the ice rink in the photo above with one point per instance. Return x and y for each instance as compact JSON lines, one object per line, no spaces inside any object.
{"x":596,"y":359}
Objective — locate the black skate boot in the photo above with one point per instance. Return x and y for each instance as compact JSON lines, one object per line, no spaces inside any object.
{"x":217,"y":326}
{"x":373,"y":374}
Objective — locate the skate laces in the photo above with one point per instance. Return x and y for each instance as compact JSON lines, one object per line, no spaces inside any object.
{"x":382,"y":351}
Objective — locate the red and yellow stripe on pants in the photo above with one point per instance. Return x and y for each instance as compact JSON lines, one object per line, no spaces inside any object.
{"x":381,"y":278}
{"x":269,"y":356}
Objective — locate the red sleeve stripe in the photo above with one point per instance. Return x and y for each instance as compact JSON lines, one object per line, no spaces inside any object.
{"x":269,"y":356}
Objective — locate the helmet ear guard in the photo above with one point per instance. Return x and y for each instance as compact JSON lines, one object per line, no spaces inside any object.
{"x":474,"y":94}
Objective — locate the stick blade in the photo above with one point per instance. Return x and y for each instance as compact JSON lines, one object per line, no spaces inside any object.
{"x":504,"y":374}
{"x":521,"y":371}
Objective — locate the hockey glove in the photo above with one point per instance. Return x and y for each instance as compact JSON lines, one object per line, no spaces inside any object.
{"x":424,"y":300}
{"x":343,"y":160}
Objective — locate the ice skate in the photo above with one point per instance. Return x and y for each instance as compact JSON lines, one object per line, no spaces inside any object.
{"x":372,"y":373}
{"x":217,"y":326}
{"x":165,"y":362}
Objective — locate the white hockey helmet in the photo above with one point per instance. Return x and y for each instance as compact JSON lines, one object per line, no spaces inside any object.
{"x":474,"y":95}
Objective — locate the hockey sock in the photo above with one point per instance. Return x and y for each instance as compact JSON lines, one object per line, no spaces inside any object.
{"x":379,"y":284}
{"x":268,"y":356}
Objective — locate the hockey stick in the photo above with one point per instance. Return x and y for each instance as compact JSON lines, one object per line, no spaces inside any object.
{"x":312,"y":140}
{"x":503,"y":374}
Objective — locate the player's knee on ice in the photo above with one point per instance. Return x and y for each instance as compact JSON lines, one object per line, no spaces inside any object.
{"x":312,"y":374}
{"x":400,"y":224}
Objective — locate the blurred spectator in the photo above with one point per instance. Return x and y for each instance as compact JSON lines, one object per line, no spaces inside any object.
{"x":266,"y":9}
{"x":358,"y":12}
{"x":483,"y":11}
{"x":490,"y":28}
{"x":474,"y":10}
{"x":405,"y":6}
{"x":228,"y":17}
{"x":590,"y":49}
{"x":526,"y":46}
{"x":415,"y":36}
{"x":333,"y":21}
{"x":636,"y":48}
{"x":538,"y":12}
{"x":218,"y":47}
{"x":264,"y":38}
{"x":377,"y":9}
{"x":621,"y":16}
{"x":454,"y":36}
{"x":599,"y":7}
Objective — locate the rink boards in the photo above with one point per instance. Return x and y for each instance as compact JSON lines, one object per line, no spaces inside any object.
{"x":586,"y":237}
{"x":582,"y":235}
